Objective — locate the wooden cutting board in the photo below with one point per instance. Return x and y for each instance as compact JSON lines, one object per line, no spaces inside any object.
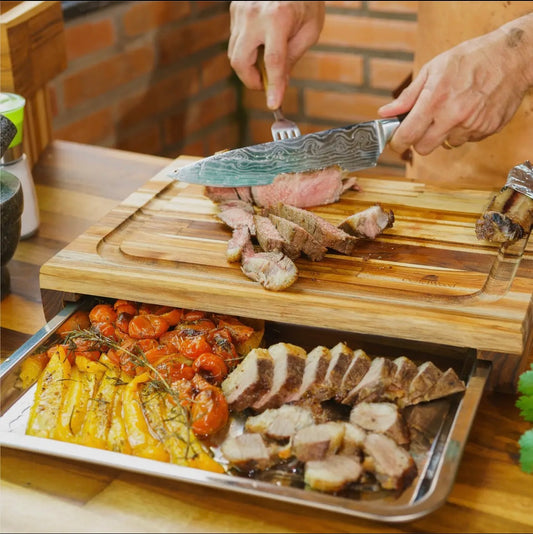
{"x":425,"y":279}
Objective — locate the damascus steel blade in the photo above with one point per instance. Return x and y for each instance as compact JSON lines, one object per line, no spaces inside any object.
{"x":353,"y":148}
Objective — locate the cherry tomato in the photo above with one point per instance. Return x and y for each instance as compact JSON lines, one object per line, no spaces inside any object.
{"x":222,"y":345}
{"x":193,"y":346}
{"x":209,"y":410}
{"x":211,"y":367}
{"x":77,"y":321}
{"x":125,"y":306}
{"x":147,"y":326}
{"x":102,"y":313}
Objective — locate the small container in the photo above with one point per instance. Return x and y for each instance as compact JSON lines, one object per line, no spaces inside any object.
{"x":14,"y":160}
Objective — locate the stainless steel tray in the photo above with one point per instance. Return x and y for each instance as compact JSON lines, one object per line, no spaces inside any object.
{"x":437,"y":467}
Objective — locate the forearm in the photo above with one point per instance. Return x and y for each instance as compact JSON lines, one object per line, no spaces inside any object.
{"x":519,"y":43}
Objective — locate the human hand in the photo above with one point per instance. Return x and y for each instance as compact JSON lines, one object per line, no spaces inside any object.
{"x":466,"y":93}
{"x":286,"y":29}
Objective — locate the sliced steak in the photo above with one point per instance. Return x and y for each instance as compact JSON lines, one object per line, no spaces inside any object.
{"x":323,"y":231}
{"x":247,"y":452}
{"x":250,"y":379}
{"x":273,"y":270}
{"x":368,"y":223}
{"x":280,"y":423}
{"x":316,"y":366}
{"x":270,"y":239}
{"x":374,"y":383}
{"x":355,"y":372}
{"x":299,"y":238}
{"x":289,"y":364}
{"x":236,"y":216}
{"x":302,"y":189}
{"x":381,"y":417}
{"x":240,"y":236}
{"x":333,"y":473}
{"x":393,"y":466}
{"x":318,"y":441}
{"x":221,"y":194}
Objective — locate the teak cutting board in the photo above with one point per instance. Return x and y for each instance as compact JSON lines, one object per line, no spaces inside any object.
{"x":426,"y":278}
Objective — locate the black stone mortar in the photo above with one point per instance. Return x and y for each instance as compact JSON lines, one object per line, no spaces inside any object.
{"x":11,"y":205}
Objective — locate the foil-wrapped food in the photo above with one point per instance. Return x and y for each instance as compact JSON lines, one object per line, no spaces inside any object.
{"x":509,"y":215}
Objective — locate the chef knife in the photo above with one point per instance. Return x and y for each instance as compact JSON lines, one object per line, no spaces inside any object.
{"x":353,"y":148}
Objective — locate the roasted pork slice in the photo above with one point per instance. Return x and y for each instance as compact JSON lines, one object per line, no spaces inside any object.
{"x":302,"y":189}
{"x":323,"y":231}
{"x":341,"y":358}
{"x":447,"y":384}
{"x":289,"y":364}
{"x":270,"y":239}
{"x":392,"y":465}
{"x":247,"y":452}
{"x":236,"y":245}
{"x":368,"y":223}
{"x":426,"y":378}
{"x":249,"y":380}
{"x":316,"y":366}
{"x":273,"y":270}
{"x":333,"y":473}
{"x":353,"y":439}
{"x":355,"y":372}
{"x":280,"y":423}
{"x":373,"y":385}
{"x":318,"y":441}
{"x":405,"y":371}
{"x":381,"y":417}
{"x":299,"y":238}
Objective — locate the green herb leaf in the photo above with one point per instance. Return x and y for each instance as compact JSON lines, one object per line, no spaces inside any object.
{"x":526,"y":451}
{"x":525,"y":404}
{"x":525,"y":382}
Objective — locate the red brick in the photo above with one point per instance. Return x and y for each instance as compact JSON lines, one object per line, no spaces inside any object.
{"x":193,"y":37}
{"x":144,"y":16}
{"x":348,"y":108}
{"x":388,"y":73}
{"x":88,"y":37}
{"x":329,"y":67}
{"x":107,"y":75}
{"x":215,"y":69}
{"x":224,"y":137}
{"x":145,"y":140}
{"x":157,"y":98}
{"x":91,"y":129}
{"x":198,"y":115}
{"x":394,"y":7}
{"x":367,"y":32}
{"x":259,"y":131}
{"x":193,"y":148}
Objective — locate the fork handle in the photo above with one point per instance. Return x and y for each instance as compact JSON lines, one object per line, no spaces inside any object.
{"x":261,"y":65}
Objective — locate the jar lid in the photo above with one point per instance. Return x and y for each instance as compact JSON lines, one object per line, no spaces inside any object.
{"x":12,"y":107}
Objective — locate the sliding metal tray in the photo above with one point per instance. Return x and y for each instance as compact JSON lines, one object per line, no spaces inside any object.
{"x":437,"y":461}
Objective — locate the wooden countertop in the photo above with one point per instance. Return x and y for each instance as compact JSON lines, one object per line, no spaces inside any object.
{"x":77,"y":185}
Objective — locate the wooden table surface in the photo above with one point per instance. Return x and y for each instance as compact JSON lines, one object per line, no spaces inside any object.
{"x":76,"y":185}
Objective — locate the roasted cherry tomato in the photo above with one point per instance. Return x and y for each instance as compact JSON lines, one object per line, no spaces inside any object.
{"x":102,"y":313}
{"x":211,"y":367}
{"x":147,"y":326}
{"x":77,"y":321}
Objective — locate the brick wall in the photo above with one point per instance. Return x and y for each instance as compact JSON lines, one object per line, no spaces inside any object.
{"x":154,"y":76}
